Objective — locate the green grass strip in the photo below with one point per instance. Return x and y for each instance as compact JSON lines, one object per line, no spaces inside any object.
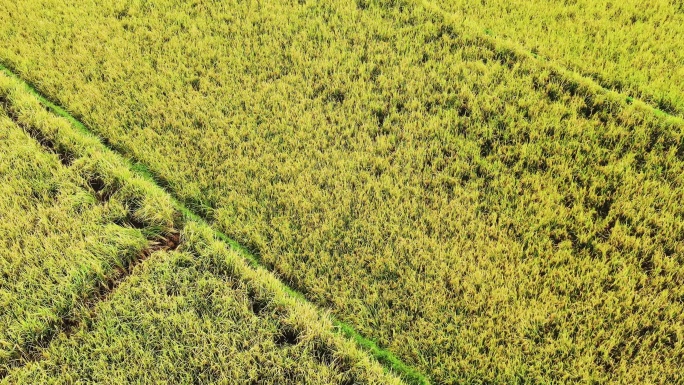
{"x":384,"y":356}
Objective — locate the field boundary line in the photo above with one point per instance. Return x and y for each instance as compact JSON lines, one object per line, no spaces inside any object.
{"x":521,"y":54}
{"x":385,"y":357}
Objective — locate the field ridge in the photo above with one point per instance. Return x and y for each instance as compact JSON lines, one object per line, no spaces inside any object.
{"x":575,"y":79}
{"x":385,"y":357}
{"x":479,"y":212}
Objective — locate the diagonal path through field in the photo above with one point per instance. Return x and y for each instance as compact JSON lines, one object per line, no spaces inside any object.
{"x":60,"y":140}
{"x":478,"y":213}
{"x":69,"y":236}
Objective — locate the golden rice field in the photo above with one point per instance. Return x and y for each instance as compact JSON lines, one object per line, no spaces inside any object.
{"x":105,"y":280}
{"x":628,"y":45}
{"x":319,"y":191}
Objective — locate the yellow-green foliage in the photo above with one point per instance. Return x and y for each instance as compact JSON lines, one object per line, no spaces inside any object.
{"x":201,"y":315}
{"x":60,"y":240}
{"x":197,"y":314}
{"x":629,"y":45}
{"x":57,"y":244}
{"x":485,"y":217}
{"x":49,"y":254}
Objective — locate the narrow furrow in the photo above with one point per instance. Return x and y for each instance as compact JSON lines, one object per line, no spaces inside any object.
{"x":69,"y":325}
{"x":167,"y":240}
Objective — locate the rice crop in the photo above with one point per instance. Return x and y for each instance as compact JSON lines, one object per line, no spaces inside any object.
{"x":481,"y":214}
{"x":65,"y":233}
{"x":201,"y":315}
{"x":630,"y":46}
{"x":101,"y":274}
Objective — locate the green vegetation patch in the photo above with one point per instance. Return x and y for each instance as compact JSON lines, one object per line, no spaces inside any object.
{"x":486,"y":218}
{"x":630,"y":46}
{"x":201,"y":315}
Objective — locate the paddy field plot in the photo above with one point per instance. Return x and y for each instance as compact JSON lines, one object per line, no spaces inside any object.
{"x":481,"y":214}
{"x":635,"y":47}
{"x":105,"y":281}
